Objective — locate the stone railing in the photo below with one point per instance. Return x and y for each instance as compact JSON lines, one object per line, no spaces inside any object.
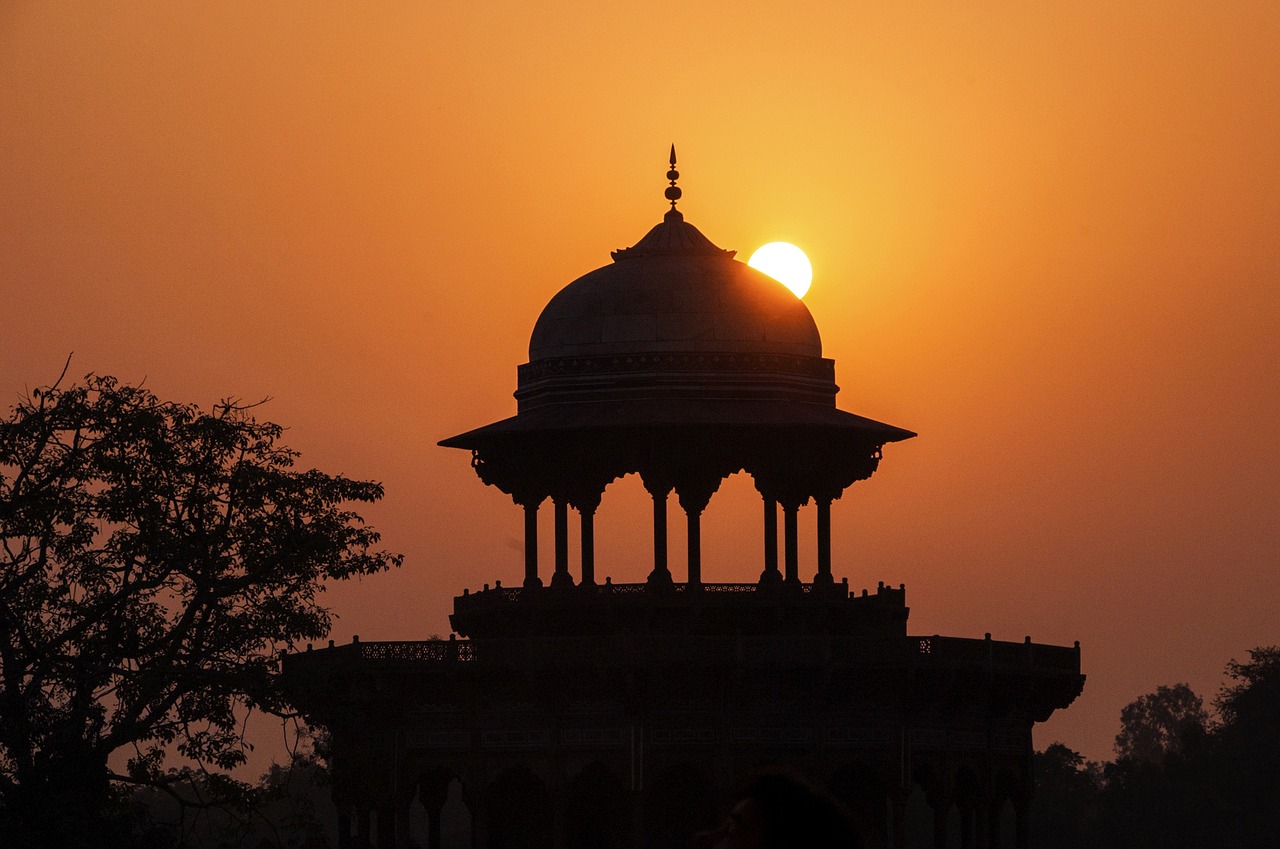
{"x":716,"y":650}
{"x":996,"y":653}
{"x":812,"y":367}
{"x":437,"y":651}
{"x":499,"y":594}
{"x":452,"y":650}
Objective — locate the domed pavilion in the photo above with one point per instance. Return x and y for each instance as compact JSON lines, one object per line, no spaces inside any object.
{"x":576,"y":713}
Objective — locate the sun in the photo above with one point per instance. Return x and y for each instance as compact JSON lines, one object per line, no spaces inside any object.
{"x":785,"y":263}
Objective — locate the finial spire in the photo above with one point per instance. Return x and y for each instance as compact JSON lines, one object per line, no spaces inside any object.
{"x":673,"y":191}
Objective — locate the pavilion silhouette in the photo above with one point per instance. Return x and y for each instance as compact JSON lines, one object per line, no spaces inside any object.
{"x":577,"y":713}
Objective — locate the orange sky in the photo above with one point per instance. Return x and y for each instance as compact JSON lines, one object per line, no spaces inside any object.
{"x":1045,"y":236}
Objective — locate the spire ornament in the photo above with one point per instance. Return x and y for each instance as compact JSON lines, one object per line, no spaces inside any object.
{"x":673,"y":192}
{"x":674,"y":236}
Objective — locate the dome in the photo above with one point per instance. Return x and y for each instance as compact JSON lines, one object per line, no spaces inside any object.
{"x":681,"y":363}
{"x":675,"y":318}
{"x":674,"y":292}
{"x":675,"y":336}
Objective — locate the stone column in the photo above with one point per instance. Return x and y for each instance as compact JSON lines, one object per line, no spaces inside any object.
{"x":770,"y":575}
{"x":403,"y":837}
{"x":695,"y":494}
{"x":585,"y":501}
{"x":898,"y":839}
{"x":558,"y":813}
{"x":479,"y":816}
{"x":638,"y":824}
{"x":433,"y":828}
{"x":791,"y":545}
{"x":386,"y":827}
{"x":1021,"y":797}
{"x":982,"y":813}
{"x":824,"y":542}
{"x":660,"y":532}
{"x":694,"y":518}
{"x":588,"y":516}
{"x":433,"y":792}
{"x":344,"y":827}
{"x":531,"y":578}
{"x":561,"y":576}
{"x":364,"y":829}
{"x":661,"y":575}
{"x":940,"y":809}
{"x":993,"y":822}
{"x":966,"y":827}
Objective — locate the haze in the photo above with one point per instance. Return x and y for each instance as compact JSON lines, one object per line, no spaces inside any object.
{"x":1044,"y":237}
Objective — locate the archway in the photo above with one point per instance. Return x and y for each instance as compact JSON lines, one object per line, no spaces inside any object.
{"x":864,"y":792}
{"x":597,"y":812}
{"x":518,"y":811}
{"x":679,"y":802}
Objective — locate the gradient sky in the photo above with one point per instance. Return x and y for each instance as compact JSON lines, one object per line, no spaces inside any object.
{"x":1046,"y":236}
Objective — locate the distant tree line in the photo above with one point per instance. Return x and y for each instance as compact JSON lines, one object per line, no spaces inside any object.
{"x":1181,"y":776}
{"x":290,"y":807}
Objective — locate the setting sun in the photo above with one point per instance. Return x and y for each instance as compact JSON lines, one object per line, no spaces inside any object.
{"x":785,"y":263}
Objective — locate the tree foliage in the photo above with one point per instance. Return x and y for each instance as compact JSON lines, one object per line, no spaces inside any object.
{"x":1248,"y":744}
{"x":1159,"y":723}
{"x":290,"y":807}
{"x":1179,"y":780}
{"x":154,"y":557}
{"x":1252,"y":703}
{"x":1066,"y":798}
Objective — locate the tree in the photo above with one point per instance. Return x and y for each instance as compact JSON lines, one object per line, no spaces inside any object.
{"x":290,"y":807}
{"x":1160,"y":723}
{"x":1066,"y":797}
{"x":1248,"y":749}
{"x":1252,"y":704}
{"x":154,"y":558}
{"x":1180,"y":781}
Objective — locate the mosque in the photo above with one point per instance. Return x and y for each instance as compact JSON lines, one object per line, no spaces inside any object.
{"x":574,"y":713}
